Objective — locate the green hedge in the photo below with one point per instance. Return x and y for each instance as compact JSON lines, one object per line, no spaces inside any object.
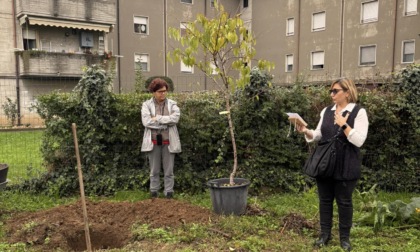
{"x":110,"y":135}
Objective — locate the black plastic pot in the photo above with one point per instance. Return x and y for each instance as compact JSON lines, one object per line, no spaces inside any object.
{"x":4,"y":168}
{"x":228,"y":199}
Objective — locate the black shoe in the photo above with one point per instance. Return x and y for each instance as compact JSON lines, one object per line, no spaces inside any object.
{"x":345,"y":244}
{"x":323,"y":240}
{"x":169,"y":195}
{"x":153,"y":194}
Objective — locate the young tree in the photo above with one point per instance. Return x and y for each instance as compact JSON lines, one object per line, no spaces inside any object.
{"x":223,"y":49}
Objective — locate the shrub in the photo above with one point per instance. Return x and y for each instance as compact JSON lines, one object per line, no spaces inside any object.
{"x":11,"y":111}
{"x":271,"y":154}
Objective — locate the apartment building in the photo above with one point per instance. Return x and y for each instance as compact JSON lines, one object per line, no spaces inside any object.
{"x":314,"y":40}
{"x":47,"y":42}
{"x":45,"y":45}
{"x":320,"y":40}
{"x":143,"y":41}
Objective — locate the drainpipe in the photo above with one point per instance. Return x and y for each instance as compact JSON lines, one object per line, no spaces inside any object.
{"x":395,"y":37}
{"x":298,"y":41}
{"x":17,"y":70}
{"x":165,"y":34}
{"x":205,"y":59}
{"x":341,"y":38}
{"x":119,"y":47}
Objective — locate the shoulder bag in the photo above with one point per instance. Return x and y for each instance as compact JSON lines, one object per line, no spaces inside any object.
{"x":321,"y":163}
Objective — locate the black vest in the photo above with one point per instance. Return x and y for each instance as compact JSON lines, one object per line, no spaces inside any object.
{"x":348,"y":156}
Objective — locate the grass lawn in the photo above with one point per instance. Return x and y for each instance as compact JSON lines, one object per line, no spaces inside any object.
{"x":20,"y":150}
{"x":266,"y":232}
{"x":245,"y":233}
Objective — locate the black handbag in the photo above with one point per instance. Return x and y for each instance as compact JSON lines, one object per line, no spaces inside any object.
{"x":322,"y":162}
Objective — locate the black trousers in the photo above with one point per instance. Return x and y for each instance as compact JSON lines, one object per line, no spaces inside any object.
{"x":341,"y":191}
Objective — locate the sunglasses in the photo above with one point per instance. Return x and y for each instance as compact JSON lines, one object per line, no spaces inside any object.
{"x":335,"y":91}
{"x":162,"y":91}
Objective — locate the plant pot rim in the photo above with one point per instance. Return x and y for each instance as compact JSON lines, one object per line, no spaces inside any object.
{"x":218,"y":183}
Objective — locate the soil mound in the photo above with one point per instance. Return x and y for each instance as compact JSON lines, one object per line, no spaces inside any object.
{"x":110,"y":222}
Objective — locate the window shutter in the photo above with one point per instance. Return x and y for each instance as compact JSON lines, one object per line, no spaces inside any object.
{"x":289,"y":59}
{"x":411,"y":7}
{"x":290,"y":26}
{"x":317,"y":58}
{"x":140,"y":20}
{"x":409,"y":47}
{"x":368,"y":55}
{"x":318,"y":21}
{"x":370,"y":11}
{"x":28,"y":34}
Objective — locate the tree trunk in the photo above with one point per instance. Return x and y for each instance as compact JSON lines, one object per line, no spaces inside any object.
{"x":232,"y":136}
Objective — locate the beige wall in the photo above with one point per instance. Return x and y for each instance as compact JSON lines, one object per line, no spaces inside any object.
{"x":7,"y":66}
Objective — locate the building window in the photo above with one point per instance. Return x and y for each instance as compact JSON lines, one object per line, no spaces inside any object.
{"x":141,"y":25}
{"x":187,"y":1}
{"x":317,"y":60}
{"x":289,"y":63}
{"x":245,"y":3}
{"x":290,"y":26}
{"x":213,"y":68}
{"x":86,"y":39}
{"x":368,"y":55}
{"x":183,"y":29}
{"x":318,"y":21}
{"x":410,"y":7}
{"x":408,"y":51}
{"x":370,"y":12}
{"x":29,"y":39}
{"x":141,"y":62}
{"x":186,"y":69}
{"x":212,"y":3}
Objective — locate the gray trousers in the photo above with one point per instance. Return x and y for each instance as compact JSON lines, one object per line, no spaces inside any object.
{"x":161,"y":157}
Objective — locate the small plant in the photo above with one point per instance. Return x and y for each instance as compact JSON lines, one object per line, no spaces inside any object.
{"x":10,"y":109}
{"x":379,"y":214}
{"x":29,"y":227}
{"x":143,"y":231}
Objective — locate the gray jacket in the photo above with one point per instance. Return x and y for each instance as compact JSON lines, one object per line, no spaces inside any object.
{"x":162,"y":122}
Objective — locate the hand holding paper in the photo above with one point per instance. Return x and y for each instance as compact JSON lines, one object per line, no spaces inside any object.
{"x":296,"y":119}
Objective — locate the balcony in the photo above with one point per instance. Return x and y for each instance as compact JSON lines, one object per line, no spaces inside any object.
{"x":33,"y":63}
{"x":92,"y":11}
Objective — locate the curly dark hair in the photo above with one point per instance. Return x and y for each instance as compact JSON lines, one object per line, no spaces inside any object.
{"x":157,"y":84}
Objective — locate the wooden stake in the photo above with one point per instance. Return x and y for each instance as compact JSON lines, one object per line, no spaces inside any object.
{"x":82,"y":188}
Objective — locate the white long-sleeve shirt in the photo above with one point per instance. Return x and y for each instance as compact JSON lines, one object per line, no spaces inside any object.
{"x":358,"y":133}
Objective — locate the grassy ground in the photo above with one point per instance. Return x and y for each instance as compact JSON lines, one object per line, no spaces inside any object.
{"x":20,"y":150}
{"x":245,"y":233}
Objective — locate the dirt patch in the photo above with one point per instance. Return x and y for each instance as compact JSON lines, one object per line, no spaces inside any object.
{"x":109,"y":223}
{"x":296,"y":223}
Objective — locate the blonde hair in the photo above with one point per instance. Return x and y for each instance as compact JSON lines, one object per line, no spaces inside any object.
{"x":348,"y":86}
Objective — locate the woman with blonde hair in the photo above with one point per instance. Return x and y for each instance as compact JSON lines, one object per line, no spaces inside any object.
{"x":351,"y":123}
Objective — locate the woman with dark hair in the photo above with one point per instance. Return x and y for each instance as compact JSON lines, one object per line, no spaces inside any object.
{"x":159,"y":116}
{"x":351,"y":123}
